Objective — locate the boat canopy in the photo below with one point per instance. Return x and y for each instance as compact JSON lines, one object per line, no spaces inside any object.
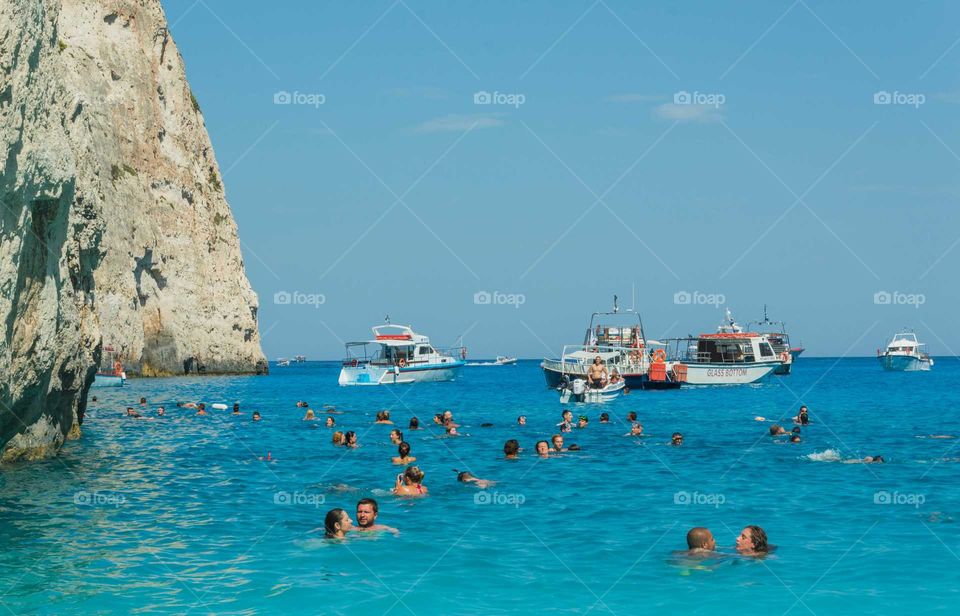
{"x":589,"y":355}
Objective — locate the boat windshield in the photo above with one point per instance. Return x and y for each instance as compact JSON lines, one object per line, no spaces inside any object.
{"x":726,"y":351}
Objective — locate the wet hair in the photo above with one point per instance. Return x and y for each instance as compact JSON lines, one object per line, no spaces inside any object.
{"x":202,"y":406}
{"x":698,"y":537}
{"x":565,"y":411}
{"x":632,"y":416}
{"x":511,"y":447}
{"x":878,"y":458}
{"x":486,"y":425}
{"x":338,"y":438}
{"x":256,"y":413}
{"x":414,"y":474}
{"x":604,"y":417}
{"x":804,"y":419}
{"x":94,"y":399}
{"x":414,"y":423}
{"x":795,"y":438}
{"x":555,"y":437}
{"x":403,"y":449}
{"x":348,"y":435}
{"x":544,"y":442}
{"x":334,"y":517}
{"x":399,"y":433}
{"x":524,"y":417}
{"x":369,"y":501}
{"x":386,"y":415}
{"x":464,"y":475}
{"x":758,"y":537}
{"x":573,"y":447}
{"x":143,"y":400}
{"x":776,"y":430}
{"x":438,"y":417}
{"x":236,"y":407}
{"x":379,"y":416}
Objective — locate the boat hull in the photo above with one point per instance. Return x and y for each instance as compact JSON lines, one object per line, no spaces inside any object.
{"x":108,"y":380}
{"x":591,"y":396}
{"x":366,"y":374}
{"x":552,"y":377}
{"x":726,"y":374}
{"x":905,"y":363}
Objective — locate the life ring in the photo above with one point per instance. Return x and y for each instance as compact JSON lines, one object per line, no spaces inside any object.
{"x":402,"y":362}
{"x":659,"y":356}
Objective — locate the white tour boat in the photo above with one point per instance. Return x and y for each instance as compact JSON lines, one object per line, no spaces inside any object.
{"x":400,"y":355}
{"x":903,"y":354}
{"x":729,"y":357}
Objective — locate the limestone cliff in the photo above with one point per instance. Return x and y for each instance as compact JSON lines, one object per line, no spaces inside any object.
{"x":114,"y":228}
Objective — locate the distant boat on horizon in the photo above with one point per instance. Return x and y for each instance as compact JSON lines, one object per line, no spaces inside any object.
{"x":903,"y":354}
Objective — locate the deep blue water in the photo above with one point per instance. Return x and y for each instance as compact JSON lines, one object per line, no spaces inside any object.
{"x":179,"y":514}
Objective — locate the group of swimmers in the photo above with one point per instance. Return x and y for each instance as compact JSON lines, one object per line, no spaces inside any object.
{"x":752,"y":541}
{"x":337,"y":522}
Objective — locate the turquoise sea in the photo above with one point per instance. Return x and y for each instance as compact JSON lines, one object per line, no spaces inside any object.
{"x":182,"y":515}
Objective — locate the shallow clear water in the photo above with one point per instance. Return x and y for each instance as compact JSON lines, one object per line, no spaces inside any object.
{"x":179,"y":514}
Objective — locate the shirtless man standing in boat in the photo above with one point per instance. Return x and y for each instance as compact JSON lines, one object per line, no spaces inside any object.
{"x":597,"y":375}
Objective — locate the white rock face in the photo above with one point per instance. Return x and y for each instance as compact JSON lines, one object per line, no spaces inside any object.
{"x":114,"y":228}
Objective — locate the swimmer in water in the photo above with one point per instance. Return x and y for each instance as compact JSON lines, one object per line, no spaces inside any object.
{"x":160,"y":412}
{"x":438,"y":419}
{"x":543,"y":449}
{"x":256,"y":416}
{"x":448,"y":419}
{"x":383,"y":417}
{"x":236,"y":408}
{"x":557,"y":441}
{"x":752,"y":541}
{"x":143,"y":402}
{"x":522,"y":420}
{"x":201,"y":410}
{"x":866,"y":460}
{"x":582,"y":421}
{"x":676,"y":439}
{"x":301,"y":404}
{"x":330,"y":422}
{"x":396,"y":437}
{"x":795,"y":438}
{"x":511,"y":449}
{"x":468,"y":477}
{"x":803,"y":417}
{"x":573,"y":447}
{"x":350,"y":439}
{"x":414,"y":424}
{"x":132,"y":413}
{"x":367,"y":510}
{"x":452,"y":430}
{"x":700,"y":542}
{"x":776,"y":430}
{"x":632,"y":416}
{"x":309,"y":416}
{"x":337,"y":524}
{"x":404,"y":458}
{"x":567,"y":421}
{"x":635,"y":430}
{"x":410,"y":483}
{"x":604,"y":418}
{"x":338,"y":439}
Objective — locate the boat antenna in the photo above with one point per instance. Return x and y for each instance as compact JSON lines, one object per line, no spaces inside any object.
{"x":616,"y":308}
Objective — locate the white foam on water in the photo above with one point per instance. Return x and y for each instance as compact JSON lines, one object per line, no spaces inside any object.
{"x":830,"y":455}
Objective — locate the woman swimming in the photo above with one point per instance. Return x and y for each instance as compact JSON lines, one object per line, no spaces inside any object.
{"x":410,"y":483}
{"x":337,"y":524}
{"x":404,"y":458}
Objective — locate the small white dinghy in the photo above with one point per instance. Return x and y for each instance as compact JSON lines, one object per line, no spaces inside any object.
{"x":577,"y":391}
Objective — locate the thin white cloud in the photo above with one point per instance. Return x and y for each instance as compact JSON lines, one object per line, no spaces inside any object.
{"x":457,"y":123}
{"x":634,"y":98}
{"x":688,"y":113}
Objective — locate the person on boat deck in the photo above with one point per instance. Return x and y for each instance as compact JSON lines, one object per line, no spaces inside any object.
{"x":597,"y":376}
{"x":615,"y":377}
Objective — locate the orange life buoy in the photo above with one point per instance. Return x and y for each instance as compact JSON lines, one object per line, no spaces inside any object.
{"x":659,"y":356}
{"x":402,"y":362}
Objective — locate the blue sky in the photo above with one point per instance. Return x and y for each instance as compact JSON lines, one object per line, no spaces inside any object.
{"x":383,"y":187}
